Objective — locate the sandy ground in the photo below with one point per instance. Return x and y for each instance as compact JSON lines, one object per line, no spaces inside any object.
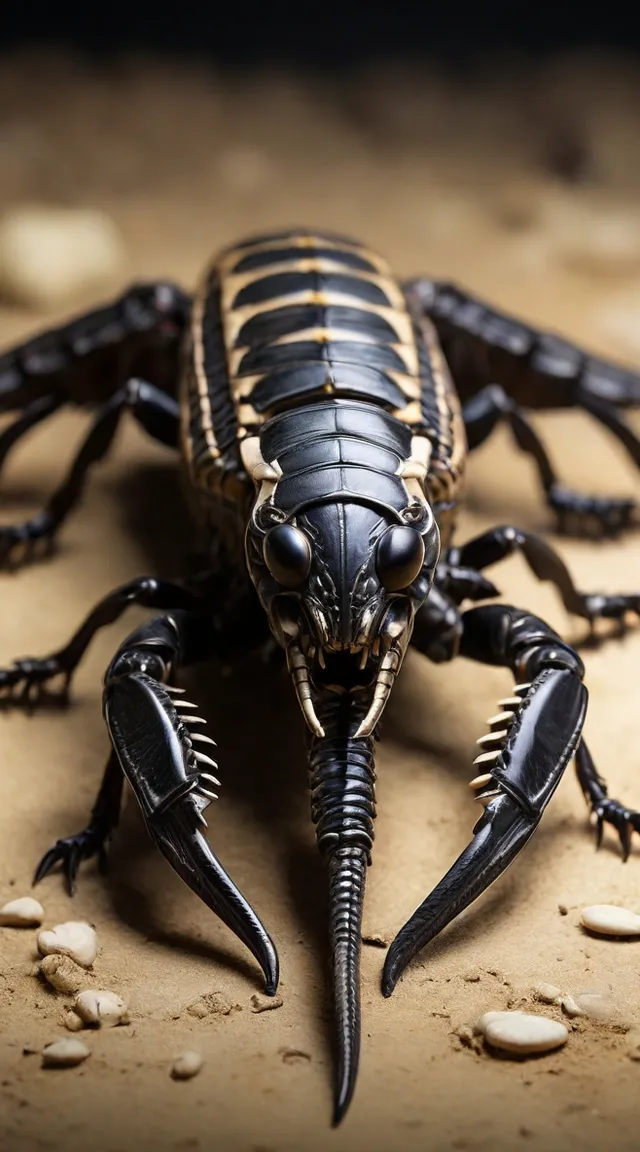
{"x":443,"y":178}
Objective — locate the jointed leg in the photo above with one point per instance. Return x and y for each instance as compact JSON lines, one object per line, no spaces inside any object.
{"x":26,"y":678}
{"x":33,"y":414}
{"x":158,"y":414}
{"x":576,"y":513}
{"x":604,"y":809}
{"x":484,"y":346}
{"x":546,"y":564}
{"x":105,"y":814}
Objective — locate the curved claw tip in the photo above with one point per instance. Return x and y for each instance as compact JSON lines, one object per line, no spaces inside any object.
{"x":271,"y":968}
{"x":390,"y":977}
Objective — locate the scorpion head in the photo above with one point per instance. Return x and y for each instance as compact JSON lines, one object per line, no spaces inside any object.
{"x":341,"y":582}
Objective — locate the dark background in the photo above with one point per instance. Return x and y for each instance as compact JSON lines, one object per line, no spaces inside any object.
{"x":315,"y":32}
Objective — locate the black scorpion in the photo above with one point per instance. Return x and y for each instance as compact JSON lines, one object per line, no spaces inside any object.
{"x":323,"y":444}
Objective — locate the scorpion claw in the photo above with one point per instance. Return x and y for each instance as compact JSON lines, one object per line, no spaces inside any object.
{"x":154,"y":748}
{"x":541,"y":740}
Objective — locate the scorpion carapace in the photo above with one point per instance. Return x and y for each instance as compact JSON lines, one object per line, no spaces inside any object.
{"x":323,"y":442}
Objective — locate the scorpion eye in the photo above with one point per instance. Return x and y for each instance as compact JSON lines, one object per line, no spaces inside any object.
{"x":400,"y":556}
{"x":287,"y":554}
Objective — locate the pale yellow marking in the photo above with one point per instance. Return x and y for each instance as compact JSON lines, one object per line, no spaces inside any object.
{"x":232,"y":256}
{"x":248,"y":416}
{"x":199,"y":369}
{"x":251,"y":454}
{"x":398,"y":318}
{"x":323,"y":336}
{"x":411,"y":414}
{"x":409,"y":385}
{"x":233,"y":284}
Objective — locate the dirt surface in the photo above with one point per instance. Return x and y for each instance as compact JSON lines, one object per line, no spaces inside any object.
{"x":445,"y":178}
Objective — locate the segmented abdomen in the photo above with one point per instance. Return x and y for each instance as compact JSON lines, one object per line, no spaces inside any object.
{"x":285,"y":321}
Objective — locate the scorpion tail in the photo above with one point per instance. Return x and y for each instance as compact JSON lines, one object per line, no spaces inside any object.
{"x":343,"y":809}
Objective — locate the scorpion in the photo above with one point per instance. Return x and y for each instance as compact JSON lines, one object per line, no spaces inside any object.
{"x":323,"y":411}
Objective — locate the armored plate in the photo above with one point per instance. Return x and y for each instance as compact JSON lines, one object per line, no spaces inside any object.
{"x":286,"y":322}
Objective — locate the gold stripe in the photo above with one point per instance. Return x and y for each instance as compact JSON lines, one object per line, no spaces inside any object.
{"x":399,"y":319}
{"x":233,"y":284}
{"x":198,"y":364}
{"x":230,"y":256}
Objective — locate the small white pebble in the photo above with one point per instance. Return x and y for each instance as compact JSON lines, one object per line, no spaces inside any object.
{"x":187,"y":1065}
{"x":547,"y":993}
{"x":519,"y":1032}
{"x":49,"y":255}
{"x":62,"y":973}
{"x":72,"y":1022}
{"x":64,"y":1054}
{"x":487,"y":1018}
{"x":102,"y":1008}
{"x":609,"y":920}
{"x":74,"y":938}
{"x":568,"y":1005}
{"x":24,"y":912}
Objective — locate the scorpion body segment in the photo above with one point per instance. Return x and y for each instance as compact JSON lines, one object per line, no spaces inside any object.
{"x":322,"y":411}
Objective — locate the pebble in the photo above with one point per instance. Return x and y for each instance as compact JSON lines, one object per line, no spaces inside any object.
{"x":547,"y":993}
{"x":72,"y":1022}
{"x":101,"y":1008}
{"x":262,"y":1003}
{"x":74,"y":938}
{"x":481,"y":1024}
{"x":24,"y":912}
{"x":62,"y":973}
{"x":187,"y":1065}
{"x":609,"y":920}
{"x":64,"y":1054}
{"x":568,"y":1005}
{"x":49,"y":255}
{"x":522,"y":1033}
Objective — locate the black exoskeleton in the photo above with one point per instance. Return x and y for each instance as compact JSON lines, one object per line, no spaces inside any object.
{"x":323,"y":440}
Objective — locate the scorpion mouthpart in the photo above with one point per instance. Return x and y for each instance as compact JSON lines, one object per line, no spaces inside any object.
{"x":386,"y":676}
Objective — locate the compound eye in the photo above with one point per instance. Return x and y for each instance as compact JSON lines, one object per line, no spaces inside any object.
{"x":400,"y":556}
{"x":287,"y":554}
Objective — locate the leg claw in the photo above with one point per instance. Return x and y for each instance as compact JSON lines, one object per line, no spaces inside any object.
{"x":624,"y":820}
{"x":24,"y":682}
{"x":70,"y":852}
{"x":590,"y":515}
{"x":20,"y":542}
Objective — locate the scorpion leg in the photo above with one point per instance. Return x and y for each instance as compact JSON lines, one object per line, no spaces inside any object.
{"x":150,"y":732}
{"x":604,"y":809}
{"x":484,"y":411}
{"x":154,"y":410}
{"x":528,"y":749}
{"x":538,"y":370}
{"x":70,"y":851}
{"x":85,"y":361}
{"x":33,"y":413}
{"x":546,"y":564}
{"x":26,"y":679}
